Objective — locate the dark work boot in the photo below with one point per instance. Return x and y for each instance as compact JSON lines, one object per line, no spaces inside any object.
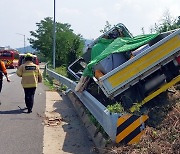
{"x":29,"y":110}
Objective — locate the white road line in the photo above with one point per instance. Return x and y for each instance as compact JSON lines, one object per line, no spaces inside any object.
{"x":8,"y":76}
{"x":11,"y":75}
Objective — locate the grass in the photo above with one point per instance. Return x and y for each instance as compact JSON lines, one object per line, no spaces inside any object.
{"x":48,"y":81}
{"x":115,"y":108}
{"x":61,"y":70}
{"x":52,"y":83}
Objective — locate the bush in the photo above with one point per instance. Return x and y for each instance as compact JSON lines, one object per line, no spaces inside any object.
{"x":61,"y":70}
{"x":115,"y":108}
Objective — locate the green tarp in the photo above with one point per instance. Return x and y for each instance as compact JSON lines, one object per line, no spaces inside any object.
{"x":106,"y":47}
{"x":100,"y":47}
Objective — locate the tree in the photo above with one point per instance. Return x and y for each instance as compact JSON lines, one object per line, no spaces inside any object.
{"x":43,"y":37}
{"x":106,"y":27}
{"x":167,"y":23}
{"x":66,"y":41}
{"x":143,"y":32}
{"x":73,"y":51}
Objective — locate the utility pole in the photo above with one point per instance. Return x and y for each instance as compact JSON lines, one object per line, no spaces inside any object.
{"x":24,"y":41}
{"x":54,"y":35}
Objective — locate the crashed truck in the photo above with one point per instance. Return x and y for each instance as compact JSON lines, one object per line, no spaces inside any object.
{"x":131,"y":70}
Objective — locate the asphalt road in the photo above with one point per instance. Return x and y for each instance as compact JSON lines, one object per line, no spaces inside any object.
{"x":23,"y":133}
{"x":20,"y":133}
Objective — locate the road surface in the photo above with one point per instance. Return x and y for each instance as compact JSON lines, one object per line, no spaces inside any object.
{"x":22,"y":133}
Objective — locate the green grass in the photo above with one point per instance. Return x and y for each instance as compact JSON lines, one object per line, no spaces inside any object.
{"x":115,"y":108}
{"x":48,"y":81}
{"x":61,"y":70}
{"x":52,"y":83}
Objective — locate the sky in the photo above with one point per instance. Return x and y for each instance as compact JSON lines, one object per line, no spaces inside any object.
{"x":86,"y":17}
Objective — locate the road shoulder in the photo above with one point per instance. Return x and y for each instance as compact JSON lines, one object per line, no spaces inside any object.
{"x":63,"y":130}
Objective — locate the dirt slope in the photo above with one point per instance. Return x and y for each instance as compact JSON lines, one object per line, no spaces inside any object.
{"x":162,"y":134}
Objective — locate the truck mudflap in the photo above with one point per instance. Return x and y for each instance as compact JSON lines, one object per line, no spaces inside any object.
{"x":139,"y":67}
{"x":130,"y":128}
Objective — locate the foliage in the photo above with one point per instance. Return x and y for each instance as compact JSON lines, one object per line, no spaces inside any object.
{"x":96,"y":123}
{"x":66,"y":42}
{"x":41,"y":57}
{"x":53,"y":84}
{"x":48,"y":81}
{"x":115,"y":108}
{"x":167,"y":23}
{"x":61,"y":70}
{"x":106,"y":27}
{"x":74,"y":51}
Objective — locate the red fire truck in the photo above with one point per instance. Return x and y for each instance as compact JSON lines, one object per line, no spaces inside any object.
{"x":10,"y":57}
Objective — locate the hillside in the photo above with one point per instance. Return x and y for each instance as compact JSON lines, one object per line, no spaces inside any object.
{"x":30,"y":49}
{"x":162,"y":135}
{"x":26,"y":49}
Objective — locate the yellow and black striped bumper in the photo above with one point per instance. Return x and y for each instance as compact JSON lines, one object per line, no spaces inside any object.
{"x":130,"y":128}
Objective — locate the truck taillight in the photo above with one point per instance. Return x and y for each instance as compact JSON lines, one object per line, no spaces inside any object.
{"x":178,"y":60}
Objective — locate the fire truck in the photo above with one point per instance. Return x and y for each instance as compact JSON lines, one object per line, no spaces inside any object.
{"x":10,"y":57}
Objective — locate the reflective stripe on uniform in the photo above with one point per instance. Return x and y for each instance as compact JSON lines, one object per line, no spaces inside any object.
{"x":30,"y":73}
{"x":29,"y":85}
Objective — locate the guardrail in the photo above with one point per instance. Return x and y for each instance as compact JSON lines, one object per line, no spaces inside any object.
{"x":106,"y":119}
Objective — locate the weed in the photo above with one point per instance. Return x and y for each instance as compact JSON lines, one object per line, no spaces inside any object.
{"x":115,"y":108}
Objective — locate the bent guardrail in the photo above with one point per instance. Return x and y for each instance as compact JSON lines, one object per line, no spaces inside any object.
{"x":106,"y":119}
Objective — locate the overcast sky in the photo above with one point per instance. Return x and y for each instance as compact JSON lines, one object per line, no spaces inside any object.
{"x":86,"y":17}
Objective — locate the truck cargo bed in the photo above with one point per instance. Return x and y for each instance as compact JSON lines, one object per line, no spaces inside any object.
{"x":137,"y":68}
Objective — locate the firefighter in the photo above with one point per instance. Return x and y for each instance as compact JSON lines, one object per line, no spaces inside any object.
{"x":3,"y":71}
{"x":31,"y":76}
